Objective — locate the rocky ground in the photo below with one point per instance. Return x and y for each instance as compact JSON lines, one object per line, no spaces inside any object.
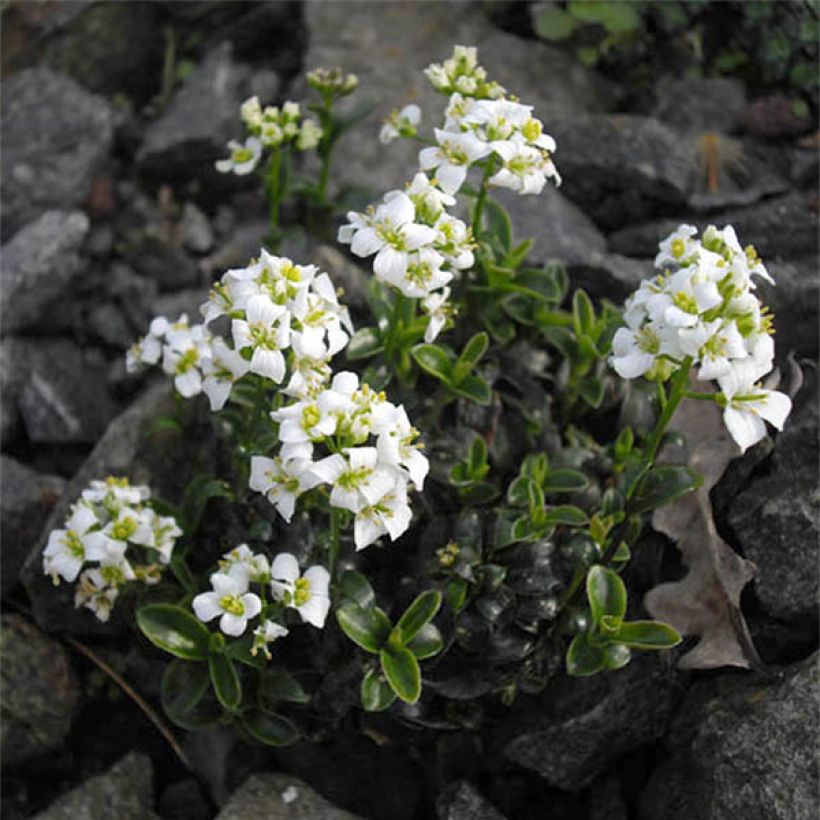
{"x":112,"y":115}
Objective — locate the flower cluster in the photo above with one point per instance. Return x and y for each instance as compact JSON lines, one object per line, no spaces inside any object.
{"x":418,"y":245}
{"x":112,"y":528}
{"x":231,"y":600}
{"x":368,"y":478}
{"x":268,"y":127}
{"x":702,"y":309}
{"x":332,"y":83}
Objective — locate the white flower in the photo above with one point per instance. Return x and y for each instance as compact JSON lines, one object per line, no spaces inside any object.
{"x":307,"y":593}
{"x":282,"y":481}
{"x":524,"y":168}
{"x":452,"y":157}
{"x":390,"y":515}
{"x":264,"y":634}
{"x":396,"y":448}
{"x":230,"y":600}
{"x":421,"y":275}
{"x":307,"y":420}
{"x":145,"y":351}
{"x":320,"y":322}
{"x":266,"y":331}
{"x":357,"y":477}
{"x":308,"y":378}
{"x":309,"y":135}
{"x":166,"y":531}
{"x":94,"y":593}
{"x":221,"y":370}
{"x":243,"y":158}
{"x":400,"y":124}
{"x":185,"y":350}
{"x":65,"y":552}
{"x":430,"y":201}
{"x":455,"y":242}
{"x":251,"y":112}
{"x":678,"y":247}
{"x":437,"y":307}
{"x":714,"y":344}
{"x":243,"y":560}
{"x":634,"y":351}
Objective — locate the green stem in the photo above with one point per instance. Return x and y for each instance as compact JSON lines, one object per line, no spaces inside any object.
{"x":396,"y":325}
{"x":335,"y":544}
{"x":676,"y":394}
{"x":274,"y":189}
{"x":692,"y":394}
{"x":478,"y":208}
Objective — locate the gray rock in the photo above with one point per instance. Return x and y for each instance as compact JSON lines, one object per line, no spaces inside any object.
{"x":173,"y":305}
{"x":460,"y":801}
{"x":129,"y":448}
{"x":184,"y":800}
{"x":133,"y":293}
{"x":606,"y":801}
{"x":194,"y":230}
{"x":609,"y":275}
{"x":571,"y":734}
{"x":55,"y":137}
{"x":26,"y":499}
{"x":780,"y":227}
{"x":64,"y":398}
{"x":740,"y":748}
{"x":12,"y":377}
{"x":40,"y":692}
{"x":200,"y":118}
{"x":621,"y":154}
{"x":794,"y":301}
{"x":242,"y":245}
{"x":776,"y":519}
{"x":124,"y":792}
{"x":389,"y":44}
{"x":698,"y":104}
{"x":39,"y":263}
{"x":166,"y":263}
{"x":279,"y":797}
{"x":108,"y":324}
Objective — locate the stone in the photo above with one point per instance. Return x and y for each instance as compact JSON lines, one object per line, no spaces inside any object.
{"x":624,"y":155}
{"x":243,"y":244}
{"x":40,"y":692}
{"x":133,"y":294}
{"x":39,"y":264}
{"x":574,"y":730}
{"x":794,"y":300}
{"x":776,"y":518}
{"x":741,"y":747}
{"x":774,"y":116}
{"x":194,"y":230}
{"x":173,"y":305}
{"x":191,"y":133}
{"x":460,"y":801}
{"x":124,"y":792}
{"x":55,"y":135}
{"x":184,"y":800}
{"x":26,"y":499}
{"x":162,"y":261}
{"x":64,"y":398}
{"x":388,"y":45}
{"x":279,"y":797}
{"x":606,"y":800}
{"x":609,"y":275}
{"x":129,"y":448}
{"x":107,"y":323}
{"x":699,"y":104}
{"x":778,"y":227}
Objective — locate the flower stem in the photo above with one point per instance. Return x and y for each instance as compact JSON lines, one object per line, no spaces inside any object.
{"x":478,"y":208}
{"x":335,"y":543}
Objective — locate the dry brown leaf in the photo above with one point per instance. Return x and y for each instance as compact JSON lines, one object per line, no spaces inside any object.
{"x":706,"y":602}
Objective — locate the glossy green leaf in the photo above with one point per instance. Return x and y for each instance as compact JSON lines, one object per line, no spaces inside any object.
{"x":368,"y":628}
{"x":475,"y":389}
{"x":478,"y":492}
{"x":183,"y":685}
{"x":498,"y":222}
{"x":198,"y":493}
{"x":583,"y":659}
{"x":564,"y":480}
{"x":420,"y":612}
{"x":375,"y":692}
{"x":272,"y":730}
{"x":518,"y":254}
{"x":591,"y":390}
{"x":278,"y":685}
{"x":401,"y":669}
{"x":470,"y":356}
{"x":175,"y":630}
{"x":662,"y":484}
{"x":427,"y":642}
{"x":225,"y":681}
{"x":606,"y":594}
{"x":583,"y":314}
{"x":518,"y":493}
{"x":540,"y":284}
{"x":433,"y":360}
{"x":566,"y":515}
{"x":364,"y":343}
{"x":647,"y":635}
{"x":477,"y":458}
{"x":554,"y":24}
{"x":355,"y":587}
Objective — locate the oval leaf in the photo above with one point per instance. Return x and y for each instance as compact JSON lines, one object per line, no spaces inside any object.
{"x":567,"y":515}
{"x":401,"y":669}
{"x":376,"y":693}
{"x":663,"y":484}
{"x":584,"y":659}
{"x":428,"y":642}
{"x":175,"y":630}
{"x":564,"y":481}
{"x":417,"y":615}
{"x":365,"y":342}
{"x":272,"y":730}
{"x":607,"y":595}
{"x":475,"y":389}
{"x":433,"y":360}
{"x":354,"y":586}
{"x":225,"y":681}
{"x":647,"y":635}
{"x":183,"y":685}
{"x":369,"y":628}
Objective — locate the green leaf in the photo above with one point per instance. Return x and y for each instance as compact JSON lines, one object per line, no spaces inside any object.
{"x":518,"y":254}
{"x":272,"y":730}
{"x":368,"y":628}
{"x":401,"y":669}
{"x":225,"y":681}
{"x":564,"y":480}
{"x":419,"y":613}
{"x":663,"y":484}
{"x":365,"y":343}
{"x":616,"y":18}
{"x":427,"y":642}
{"x":607,"y":596}
{"x":498,"y":222}
{"x":376,"y":693}
{"x":278,"y":685}
{"x":456,"y":594}
{"x":183,"y":685}
{"x":196,"y":497}
{"x":540,"y":283}
{"x":616,"y":656}
{"x":554,"y":24}
{"x":567,"y":515}
{"x":478,"y":492}
{"x":433,"y":360}
{"x":475,"y":389}
{"x":624,"y":443}
{"x":518,"y":493}
{"x":591,"y":390}
{"x":470,"y":356}
{"x":583,"y":314}
{"x":354,"y":586}
{"x":477,"y":458}
{"x":175,"y":630}
{"x":583,"y":659}
{"x":647,"y":635}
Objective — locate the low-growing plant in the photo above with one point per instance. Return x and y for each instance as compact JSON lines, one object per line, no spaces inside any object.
{"x":507,"y":433}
